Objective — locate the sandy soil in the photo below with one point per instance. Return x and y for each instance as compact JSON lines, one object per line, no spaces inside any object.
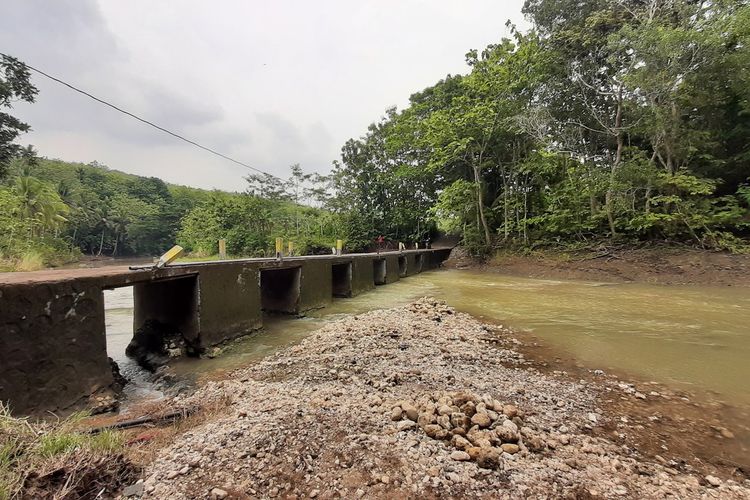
{"x":662,"y":265}
{"x":425,"y":402}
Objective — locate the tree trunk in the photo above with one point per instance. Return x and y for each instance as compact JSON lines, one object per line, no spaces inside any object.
{"x":117,"y":239}
{"x":505,"y":204}
{"x":480,"y":206}
{"x":608,"y":199}
{"x":101,"y":244}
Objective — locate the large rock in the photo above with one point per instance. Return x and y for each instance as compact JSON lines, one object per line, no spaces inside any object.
{"x":460,"y":420}
{"x":411,"y":411}
{"x":432,"y":430}
{"x":510,"y":448}
{"x":489,"y":458}
{"x":506,"y":434}
{"x":481,"y":419}
{"x":460,"y":442}
{"x":444,"y":421}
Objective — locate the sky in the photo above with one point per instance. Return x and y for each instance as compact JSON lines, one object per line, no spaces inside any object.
{"x":268,"y":83}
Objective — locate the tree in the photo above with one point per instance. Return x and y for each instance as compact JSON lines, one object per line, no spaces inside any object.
{"x":15,"y":85}
{"x":608,"y":118}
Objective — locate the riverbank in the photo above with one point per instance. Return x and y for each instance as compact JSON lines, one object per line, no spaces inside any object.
{"x":657,"y":265}
{"x":421,"y":401}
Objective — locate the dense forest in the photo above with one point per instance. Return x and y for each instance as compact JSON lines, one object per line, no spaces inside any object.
{"x":54,"y":211}
{"x":609,"y":120}
{"x":624,"y":120}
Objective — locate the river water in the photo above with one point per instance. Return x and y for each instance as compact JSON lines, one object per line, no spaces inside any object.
{"x":689,"y":337}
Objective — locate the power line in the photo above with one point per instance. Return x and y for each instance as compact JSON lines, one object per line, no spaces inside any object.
{"x":147,"y":122}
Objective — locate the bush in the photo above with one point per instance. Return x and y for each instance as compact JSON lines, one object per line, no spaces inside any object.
{"x":31,"y":260}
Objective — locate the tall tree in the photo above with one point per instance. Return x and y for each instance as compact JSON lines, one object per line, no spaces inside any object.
{"x":15,"y":85}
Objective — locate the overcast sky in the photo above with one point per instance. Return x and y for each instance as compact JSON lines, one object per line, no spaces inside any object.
{"x":268,"y":83}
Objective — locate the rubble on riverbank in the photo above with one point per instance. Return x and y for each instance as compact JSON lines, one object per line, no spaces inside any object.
{"x":418,"y":401}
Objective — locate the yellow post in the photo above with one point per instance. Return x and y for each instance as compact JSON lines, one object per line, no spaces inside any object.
{"x":222,"y":249}
{"x":290,"y":248}
{"x":339,"y":246}
{"x":279,"y":248}
{"x":171,"y":255}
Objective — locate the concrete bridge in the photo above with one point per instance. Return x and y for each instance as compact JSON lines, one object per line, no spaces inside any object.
{"x":53,"y":353}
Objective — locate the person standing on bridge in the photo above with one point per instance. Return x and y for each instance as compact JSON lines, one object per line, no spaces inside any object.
{"x":379,"y":241}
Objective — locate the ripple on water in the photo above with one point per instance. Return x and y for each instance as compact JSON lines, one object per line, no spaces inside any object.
{"x":677,"y":334}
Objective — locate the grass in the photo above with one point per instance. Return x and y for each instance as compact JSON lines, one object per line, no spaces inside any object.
{"x":37,"y":448}
{"x":207,"y":258}
{"x":199,"y":258}
{"x":30,"y":261}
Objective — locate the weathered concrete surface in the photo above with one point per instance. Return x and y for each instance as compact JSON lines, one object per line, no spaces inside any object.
{"x":52,"y":335}
{"x":317,"y":285}
{"x":379,"y":271}
{"x":403,"y":269}
{"x":391,"y":269}
{"x":230,"y":301}
{"x":362,"y":275}
{"x":53,"y":351}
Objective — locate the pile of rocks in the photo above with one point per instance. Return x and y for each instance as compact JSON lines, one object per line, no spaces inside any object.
{"x":480,"y":429}
{"x":419,"y":401}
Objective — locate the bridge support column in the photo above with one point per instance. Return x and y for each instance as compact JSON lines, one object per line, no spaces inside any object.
{"x":317,"y":285}
{"x":230,"y":302}
{"x":403,"y":266}
{"x":415,"y":263}
{"x":392,"y":268}
{"x":53,"y":350}
{"x":362,"y":275}
{"x":379,"y":271}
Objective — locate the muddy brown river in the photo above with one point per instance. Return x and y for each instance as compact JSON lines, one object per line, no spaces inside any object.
{"x":690,"y":337}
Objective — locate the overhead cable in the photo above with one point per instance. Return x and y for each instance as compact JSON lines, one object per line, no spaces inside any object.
{"x":143,"y":120}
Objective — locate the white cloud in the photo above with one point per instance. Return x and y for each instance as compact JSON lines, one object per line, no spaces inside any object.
{"x":270,"y":83}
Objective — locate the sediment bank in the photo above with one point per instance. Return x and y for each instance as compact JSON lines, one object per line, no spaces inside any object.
{"x":422,"y":401}
{"x":657,"y":265}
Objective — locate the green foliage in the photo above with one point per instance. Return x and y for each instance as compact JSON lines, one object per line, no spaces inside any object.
{"x":271,"y":208}
{"x":607,"y":119}
{"x":15,"y":85}
{"x":455,"y":206}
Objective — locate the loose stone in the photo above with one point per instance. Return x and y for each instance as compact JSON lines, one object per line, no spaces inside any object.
{"x":481,"y":419}
{"x":510,"y":448}
{"x":218,"y":493}
{"x":713,"y":481}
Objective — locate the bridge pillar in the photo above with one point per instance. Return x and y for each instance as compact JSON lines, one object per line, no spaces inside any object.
{"x":379,"y":271}
{"x":317,"y":284}
{"x":403,"y":266}
{"x":230,"y":302}
{"x":415,"y":263}
{"x":53,"y":350}
{"x":392,"y":268}
{"x":362,"y":275}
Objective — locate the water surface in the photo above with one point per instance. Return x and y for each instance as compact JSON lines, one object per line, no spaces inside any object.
{"x":686,"y":336}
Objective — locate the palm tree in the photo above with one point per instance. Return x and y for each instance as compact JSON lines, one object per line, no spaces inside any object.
{"x":41,"y":204}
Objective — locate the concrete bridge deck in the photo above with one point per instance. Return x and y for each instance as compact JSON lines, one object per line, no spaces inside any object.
{"x":52,"y":327}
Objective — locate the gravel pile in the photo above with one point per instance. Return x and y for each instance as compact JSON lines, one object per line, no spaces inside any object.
{"x":411,"y":402}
